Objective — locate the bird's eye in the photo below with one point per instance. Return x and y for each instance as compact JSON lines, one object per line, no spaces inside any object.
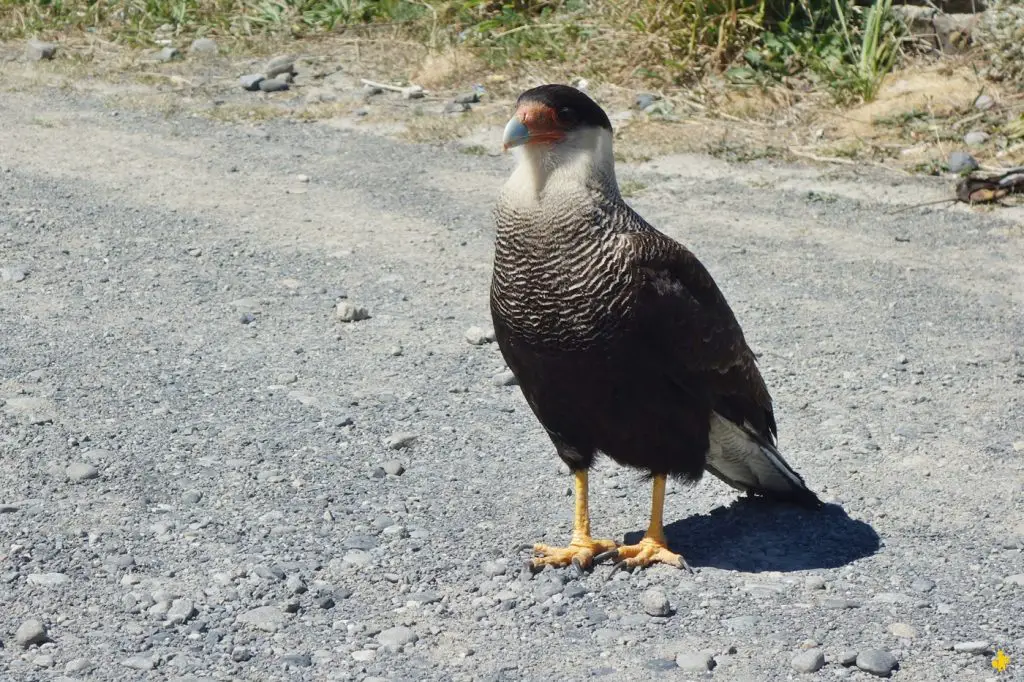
{"x":567,"y":116}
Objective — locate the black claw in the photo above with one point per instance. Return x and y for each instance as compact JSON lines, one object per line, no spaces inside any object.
{"x":610,"y":554}
{"x":578,"y":565}
{"x":533,"y":567}
{"x":685,"y":566}
{"x":620,"y":566}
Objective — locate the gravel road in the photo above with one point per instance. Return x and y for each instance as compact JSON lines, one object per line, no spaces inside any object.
{"x":208,"y":475}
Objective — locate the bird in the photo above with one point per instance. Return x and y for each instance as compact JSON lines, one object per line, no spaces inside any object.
{"x":619,"y":338}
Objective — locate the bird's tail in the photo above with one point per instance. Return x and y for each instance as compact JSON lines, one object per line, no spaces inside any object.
{"x":749,"y":462}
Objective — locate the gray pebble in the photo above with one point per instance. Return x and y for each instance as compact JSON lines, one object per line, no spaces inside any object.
{"x":350,"y":312}
{"x":168,"y":54}
{"x":976,"y":138}
{"x":325,"y":603}
{"x":141,"y":662}
{"x":574,"y":591}
{"x":809,"y":661}
{"x":43,"y":661}
{"x":30,"y":632}
{"x":456,"y":108}
{"x":984,"y":102}
{"x":252,"y":81}
{"x":240,"y":654}
{"x":192,"y":496}
{"x":644,"y":100}
{"x":14,"y":273}
{"x":741,"y":623}
{"x":394,"y":467}
{"x":922,"y":585}
{"x":815,"y":582}
{"x":356,"y":557}
{"x":655,"y":602}
{"x":82,"y":471}
{"x":903,"y":630}
{"x":479,"y":337}
{"x":295,"y":585}
{"x":402,"y":439}
{"x":78,"y":665}
{"x":363,"y":542}
{"x":37,"y":50}
{"x":494,"y":568}
{"x":424,"y":598}
{"x":962,"y":162}
{"x":468,"y":98}
{"x":1017,"y":579}
{"x":266,"y":618}
{"x":203,"y":47}
{"x":847,"y":658}
{"x":977,"y":647}
{"x":296,"y":660}
{"x":48,"y":579}
{"x":397,"y":636}
{"x":877,"y":662}
{"x":278,"y":65}
{"x":506,"y":378}
{"x":273,"y":85}
{"x":695,"y":662}
{"x":181,"y":611}
{"x":364,"y":656}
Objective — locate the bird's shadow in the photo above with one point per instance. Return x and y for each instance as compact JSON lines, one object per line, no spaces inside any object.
{"x":754,"y":535}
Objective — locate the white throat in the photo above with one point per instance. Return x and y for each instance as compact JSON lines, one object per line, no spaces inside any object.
{"x":583,"y":158}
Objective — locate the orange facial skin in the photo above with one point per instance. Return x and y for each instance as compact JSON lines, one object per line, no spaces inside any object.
{"x":542,"y":122}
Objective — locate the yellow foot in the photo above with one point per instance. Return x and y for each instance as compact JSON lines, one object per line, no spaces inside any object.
{"x":580,"y":553}
{"x":648,"y":551}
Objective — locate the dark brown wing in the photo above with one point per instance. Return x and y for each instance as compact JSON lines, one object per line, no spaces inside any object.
{"x":683,"y":317}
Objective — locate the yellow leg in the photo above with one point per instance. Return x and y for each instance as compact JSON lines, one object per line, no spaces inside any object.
{"x":653,"y":548}
{"x":582,"y":548}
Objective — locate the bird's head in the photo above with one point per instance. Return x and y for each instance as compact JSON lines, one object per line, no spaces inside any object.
{"x":558,"y":129}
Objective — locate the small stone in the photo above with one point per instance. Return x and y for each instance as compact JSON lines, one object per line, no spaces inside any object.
{"x":302,"y":177}
{"x":655,"y":603}
{"x":903,"y":630}
{"x":291,"y":606}
{"x":181,"y":611}
{"x":397,"y":441}
{"x":815,"y":582}
{"x":14,"y":273}
{"x":30,"y":410}
{"x":30,"y":632}
{"x":43,"y":661}
{"x":1017,"y":580}
{"x":295,"y":585}
{"x":479,"y":337}
{"x":37,"y":50}
{"x":984,"y":102}
{"x":494,"y":568}
{"x":279,"y":65}
{"x":922,"y":585}
{"x":141,"y":662}
{"x":695,"y":662}
{"x":78,"y":665}
{"x":809,"y":661}
{"x":1018,"y":446}
{"x":273,"y":85}
{"x":976,"y":138}
{"x":424,"y":598}
{"x":266,"y":618}
{"x":82,"y":471}
{"x":326,"y":603}
{"x":48,"y":579}
{"x":847,"y":658}
{"x":252,"y":81}
{"x":412,"y":92}
{"x":397,"y":636}
{"x":741,"y":623}
{"x":644,"y":100}
{"x":240,"y":654}
{"x":468,"y":98}
{"x":506,"y":378}
{"x":456,"y":107}
{"x":191,"y":497}
{"x":394,"y":467}
{"x":877,"y":662}
{"x":203,"y":47}
{"x":349,"y":312}
{"x":977,"y":647}
{"x":296,"y":660}
{"x":356,"y":557}
{"x":168,"y":54}
{"x":364,"y":655}
{"x":962,"y":162}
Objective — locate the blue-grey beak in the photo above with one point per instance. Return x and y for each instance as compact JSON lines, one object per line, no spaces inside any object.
{"x":516,"y":133}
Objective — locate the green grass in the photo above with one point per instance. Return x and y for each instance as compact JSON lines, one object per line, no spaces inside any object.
{"x":831,"y":42}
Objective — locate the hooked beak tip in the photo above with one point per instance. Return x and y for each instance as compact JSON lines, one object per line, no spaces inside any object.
{"x":516,"y":134}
